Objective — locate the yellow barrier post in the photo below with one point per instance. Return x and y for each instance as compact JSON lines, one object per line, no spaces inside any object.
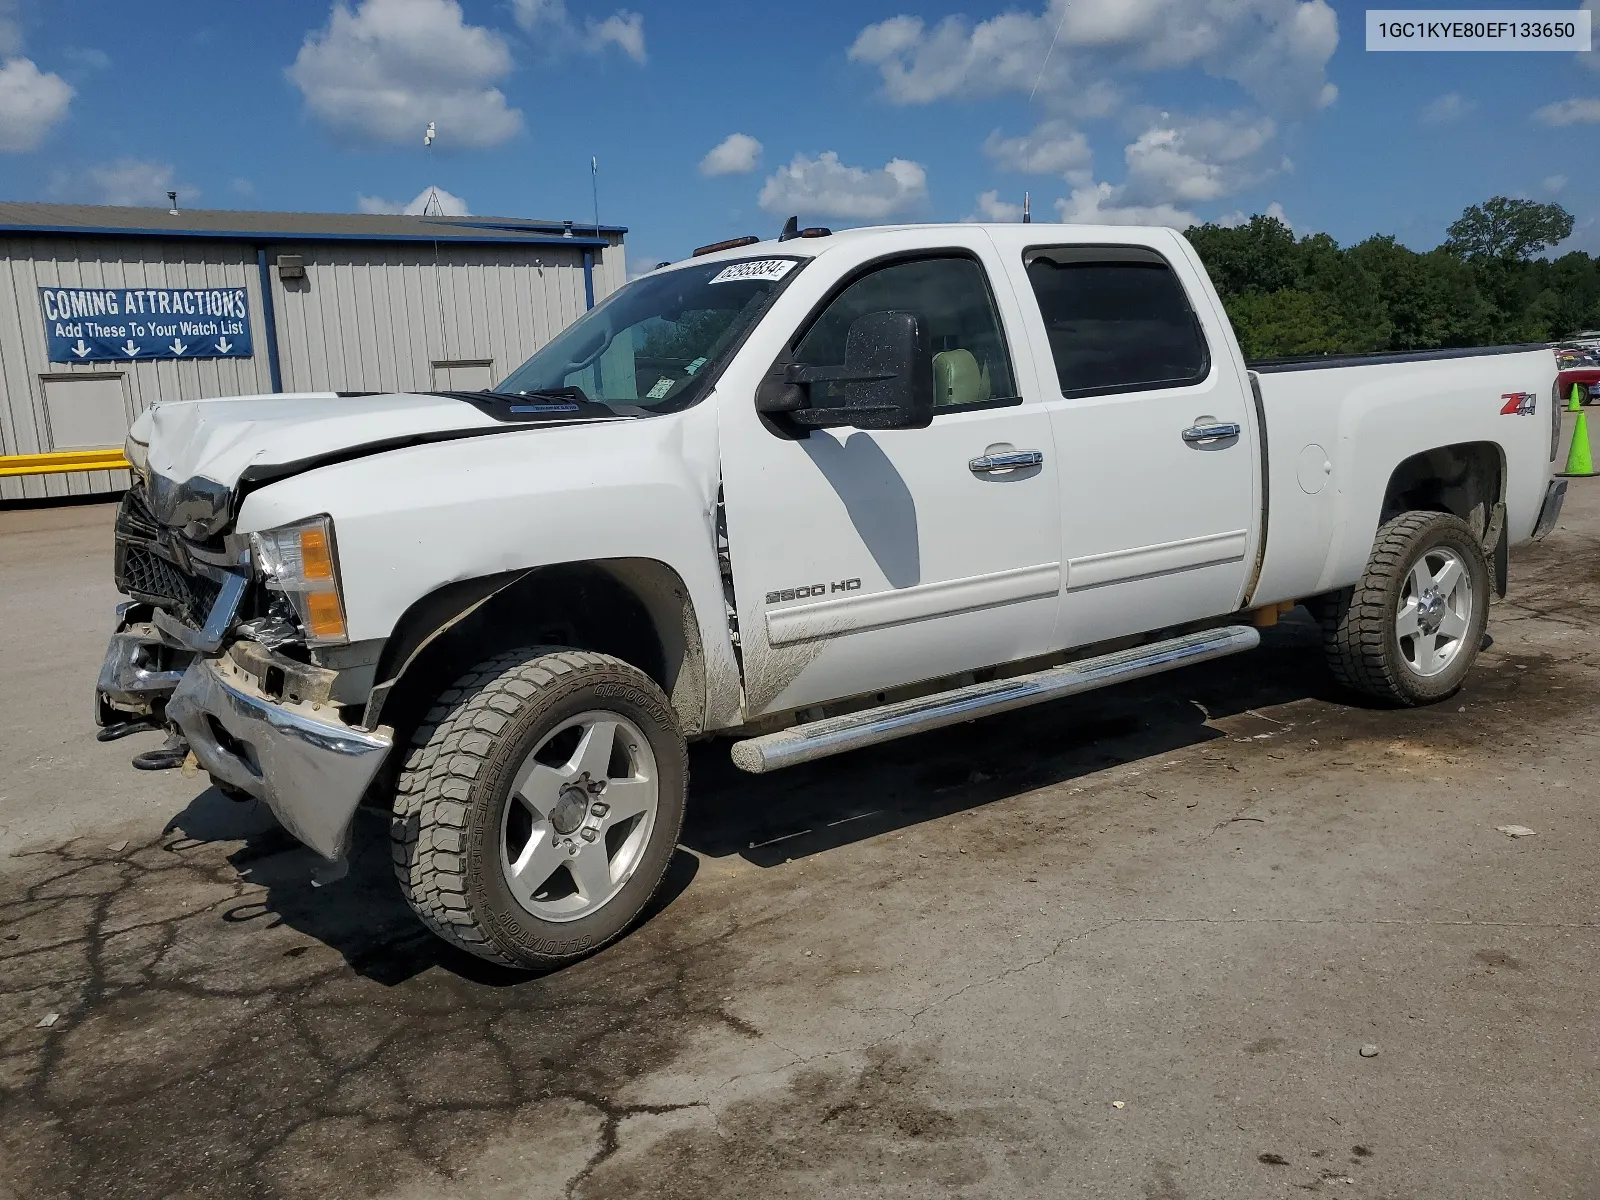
{"x":62,"y":460}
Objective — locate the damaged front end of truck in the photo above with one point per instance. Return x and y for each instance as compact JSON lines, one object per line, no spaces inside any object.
{"x":217,"y":646}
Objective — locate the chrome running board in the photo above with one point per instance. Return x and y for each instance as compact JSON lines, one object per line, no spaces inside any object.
{"x":834,"y":735}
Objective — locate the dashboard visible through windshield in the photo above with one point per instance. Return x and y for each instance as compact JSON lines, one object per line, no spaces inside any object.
{"x":654,"y":343}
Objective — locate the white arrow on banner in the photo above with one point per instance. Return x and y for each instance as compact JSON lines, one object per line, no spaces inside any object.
{"x":129,"y":348}
{"x":80,"y":349}
{"x":223,"y":345}
{"x":177,"y":347}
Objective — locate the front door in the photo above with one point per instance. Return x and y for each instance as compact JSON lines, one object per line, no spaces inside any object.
{"x":863,"y":560}
{"x":1159,"y":462}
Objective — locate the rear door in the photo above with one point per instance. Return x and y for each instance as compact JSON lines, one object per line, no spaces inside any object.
{"x":861,"y":559}
{"x":1153,"y":423}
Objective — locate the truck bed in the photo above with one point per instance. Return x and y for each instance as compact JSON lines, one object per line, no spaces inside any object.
{"x":1335,"y":437}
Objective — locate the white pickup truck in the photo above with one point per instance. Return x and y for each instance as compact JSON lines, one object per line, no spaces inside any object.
{"x":810,"y":494}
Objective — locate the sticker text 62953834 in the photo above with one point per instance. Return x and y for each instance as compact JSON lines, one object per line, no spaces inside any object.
{"x":756,"y":268}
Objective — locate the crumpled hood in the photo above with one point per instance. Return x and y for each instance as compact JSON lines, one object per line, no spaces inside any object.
{"x":222,"y":441}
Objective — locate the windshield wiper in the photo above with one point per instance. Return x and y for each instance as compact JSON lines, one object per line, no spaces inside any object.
{"x":569,"y":392}
{"x":562,"y":399}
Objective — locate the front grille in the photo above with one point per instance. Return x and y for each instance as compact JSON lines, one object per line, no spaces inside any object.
{"x":134,"y":518}
{"x":147,"y":576}
{"x":141,"y":572}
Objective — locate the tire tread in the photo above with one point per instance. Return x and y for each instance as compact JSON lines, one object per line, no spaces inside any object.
{"x":1355,"y":622}
{"x":450,"y":748}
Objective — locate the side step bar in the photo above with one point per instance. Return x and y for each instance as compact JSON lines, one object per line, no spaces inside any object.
{"x":834,"y":735}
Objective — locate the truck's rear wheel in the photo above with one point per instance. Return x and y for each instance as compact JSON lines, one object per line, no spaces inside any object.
{"x":1409,"y":631}
{"x":540,"y":805}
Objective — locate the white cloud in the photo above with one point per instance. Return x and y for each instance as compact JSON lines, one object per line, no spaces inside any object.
{"x":825,"y":187}
{"x":735,"y":154}
{"x":1554,"y":183}
{"x":241,"y":186}
{"x":1177,"y":161}
{"x":1100,"y":204}
{"x":1052,"y":148}
{"x":992,"y":208}
{"x":32,"y":103}
{"x":623,"y":30}
{"x":1191,"y":160}
{"x":380,"y":73}
{"x":1277,"y":50}
{"x":446,"y":204}
{"x":1577,"y":111}
{"x":1239,"y":217}
{"x":1442,"y":110}
{"x":126,"y":181}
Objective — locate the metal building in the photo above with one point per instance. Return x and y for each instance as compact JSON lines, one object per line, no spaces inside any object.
{"x":104,"y":311}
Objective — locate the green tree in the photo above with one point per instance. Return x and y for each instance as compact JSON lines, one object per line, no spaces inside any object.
{"x":1286,"y":323}
{"x":1347,"y":291}
{"x":1258,"y":256}
{"x":1508,"y":230}
{"x":1484,"y":286}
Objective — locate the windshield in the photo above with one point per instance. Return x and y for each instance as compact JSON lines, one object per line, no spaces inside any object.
{"x":651,"y":343}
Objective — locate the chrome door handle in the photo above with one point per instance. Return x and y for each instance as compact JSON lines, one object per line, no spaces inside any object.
{"x":1211,"y":433}
{"x":1009,"y":461}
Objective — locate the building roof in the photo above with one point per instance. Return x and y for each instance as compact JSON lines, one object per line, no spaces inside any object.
{"x":100,"y":220}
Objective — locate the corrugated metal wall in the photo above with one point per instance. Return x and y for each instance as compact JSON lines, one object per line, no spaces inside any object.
{"x":367,"y":317}
{"x":27,"y":264}
{"x":377,"y":318}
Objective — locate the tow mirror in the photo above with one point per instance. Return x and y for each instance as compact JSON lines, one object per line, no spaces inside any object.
{"x":886,"y":381}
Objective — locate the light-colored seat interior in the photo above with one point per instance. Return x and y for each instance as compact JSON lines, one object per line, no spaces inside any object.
{"x":958,"y":379}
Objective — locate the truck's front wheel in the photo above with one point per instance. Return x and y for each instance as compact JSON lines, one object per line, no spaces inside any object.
{"x":540,"y":805}
{"x":1409,"y":631}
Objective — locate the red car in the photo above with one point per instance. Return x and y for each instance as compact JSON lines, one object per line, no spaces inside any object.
{"x":1579,"y":365}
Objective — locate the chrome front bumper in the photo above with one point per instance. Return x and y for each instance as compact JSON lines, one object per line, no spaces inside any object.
{"x":140,"y":670}
{"x":310,"y":768}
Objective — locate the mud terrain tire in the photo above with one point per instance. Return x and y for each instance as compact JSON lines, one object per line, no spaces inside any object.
{"x":455,"y":808}
{"x":1366,"y":629}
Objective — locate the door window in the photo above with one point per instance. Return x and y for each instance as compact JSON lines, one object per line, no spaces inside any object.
{"x":1116,"y":324}
{"x":950,"y":297}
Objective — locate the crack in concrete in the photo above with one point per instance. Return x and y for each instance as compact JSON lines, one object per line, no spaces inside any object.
{"x":254,"y":1055}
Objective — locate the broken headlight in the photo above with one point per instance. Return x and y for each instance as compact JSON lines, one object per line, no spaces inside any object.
{"x":301,"y":561}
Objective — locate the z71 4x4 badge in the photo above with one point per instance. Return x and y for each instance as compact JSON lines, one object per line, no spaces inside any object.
{"x":1518,"y":404}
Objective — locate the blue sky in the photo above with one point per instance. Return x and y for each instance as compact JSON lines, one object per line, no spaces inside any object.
{"x":850,"y":113}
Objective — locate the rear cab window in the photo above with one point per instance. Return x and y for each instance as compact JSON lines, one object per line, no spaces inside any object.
{"x":1117,"y":319}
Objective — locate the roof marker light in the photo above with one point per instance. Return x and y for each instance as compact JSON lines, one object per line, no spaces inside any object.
{"x":730,"y":244}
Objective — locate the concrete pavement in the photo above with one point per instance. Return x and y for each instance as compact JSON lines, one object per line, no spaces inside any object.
{"x":1128,"y":945}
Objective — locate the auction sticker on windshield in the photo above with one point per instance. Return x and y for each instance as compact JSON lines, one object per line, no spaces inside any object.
{"x":761,"y":268}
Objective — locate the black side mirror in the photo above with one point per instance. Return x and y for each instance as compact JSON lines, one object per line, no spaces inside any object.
{"x":886,"y":381}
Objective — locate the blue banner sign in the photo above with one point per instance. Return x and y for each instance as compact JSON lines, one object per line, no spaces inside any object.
{"x":133,"y":324}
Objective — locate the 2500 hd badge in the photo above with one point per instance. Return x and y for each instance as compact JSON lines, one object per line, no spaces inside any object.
{"x":815,"y":589}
